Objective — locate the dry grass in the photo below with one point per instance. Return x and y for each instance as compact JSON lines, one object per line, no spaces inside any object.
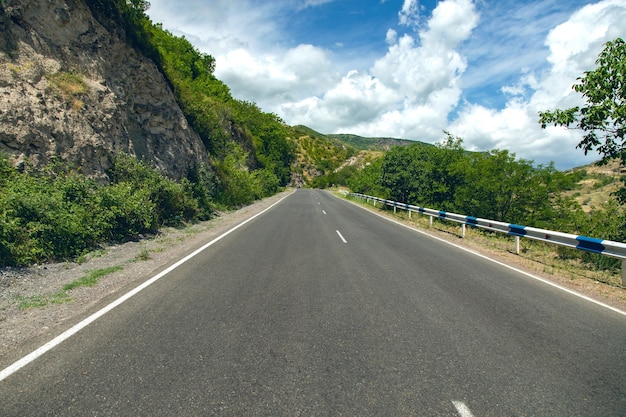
{"x":71,"y":86}
{"x":596,"y":188}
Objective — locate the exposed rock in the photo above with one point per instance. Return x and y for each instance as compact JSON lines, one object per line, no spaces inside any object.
{"x":71,"y":88}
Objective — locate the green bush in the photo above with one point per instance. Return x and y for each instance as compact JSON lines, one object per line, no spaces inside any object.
{"x":56,"y":213}
{"x":171,"y":201}
{"x":122,"y":212}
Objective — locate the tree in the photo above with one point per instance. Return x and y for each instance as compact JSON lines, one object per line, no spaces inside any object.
{"x":423,"y":174}
{"x":495,"y":186}
{"x":603,"y":119}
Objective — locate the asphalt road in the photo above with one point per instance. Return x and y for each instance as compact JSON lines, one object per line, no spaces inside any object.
{"x":319,"y":308}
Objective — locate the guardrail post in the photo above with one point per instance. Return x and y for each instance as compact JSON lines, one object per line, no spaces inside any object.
{"x":463,"y":230}
{"x":431,"y":221}
{"x":409,"y":214}
{"x":517,"y":245}
{"x":623,"y":271}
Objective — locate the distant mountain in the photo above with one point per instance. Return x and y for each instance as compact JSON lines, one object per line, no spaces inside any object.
{"x":372,"y":144}
{"x":320,"y":154}
{"x":316,"y":154}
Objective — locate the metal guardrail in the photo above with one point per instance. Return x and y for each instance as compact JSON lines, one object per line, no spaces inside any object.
{"x":589,"y":244}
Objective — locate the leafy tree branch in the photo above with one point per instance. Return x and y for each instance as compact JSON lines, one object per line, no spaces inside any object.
{"x":603,"y":118}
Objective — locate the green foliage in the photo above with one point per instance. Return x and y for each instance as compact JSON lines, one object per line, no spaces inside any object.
{"x":361,"y":143}
{"x":171,"y":203}
{"x":368,"y":180}
{"x":42,"y":217}
{"x":219,"y":119}
{"x":200,"y":184}
{"x":335,"y":178}
{"x":237,"y":184}
{"x":56,"y":213}
{"x":603,"y":119}
{"x":493,"y":185}
{"x":92,"y":278}
{"x":499,"y":187}
{"x":121,"y":212}
{"x":319,"y":157}
{"x":425,"y":174}
{"x":269,"y":134}
{"x":206,"y":101}
{"x":608,"y":222}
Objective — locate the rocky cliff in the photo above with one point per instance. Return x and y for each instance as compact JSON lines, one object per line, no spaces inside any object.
{"x":72,"y":88}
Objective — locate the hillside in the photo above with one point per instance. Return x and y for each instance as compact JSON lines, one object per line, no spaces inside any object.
{"x":372,"y":144}
{"x":320,"y":154}
{"x":316,"y":155}
{"x":596,"y":184}
{"x":112,"y":127}
{"x":76,"y":89}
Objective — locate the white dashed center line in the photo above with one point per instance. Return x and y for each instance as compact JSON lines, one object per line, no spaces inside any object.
{"x":341,"y":237}
{"x":462,"y":409}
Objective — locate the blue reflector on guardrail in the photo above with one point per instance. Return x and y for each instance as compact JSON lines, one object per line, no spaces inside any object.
{"x":518,"y":230}
{"x":590,"y":244}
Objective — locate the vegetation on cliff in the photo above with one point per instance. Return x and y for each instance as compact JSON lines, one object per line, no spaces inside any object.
{"x":223,"y":123}
{"x":57,"y":213}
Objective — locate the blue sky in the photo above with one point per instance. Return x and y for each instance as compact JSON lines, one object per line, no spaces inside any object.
{"x":479,"y":69}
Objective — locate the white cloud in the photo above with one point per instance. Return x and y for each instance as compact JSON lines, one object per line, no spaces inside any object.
{"x":409,"y":15}
{"x":273,"y":78}
{"x":452,"y":22}
{"x":314,"y":3}
{"x":574,"y":46}
{"x":356,"y":99}
{"x":219,"y":26}
{"x":407,"y":93}
{"x":391,"y":37}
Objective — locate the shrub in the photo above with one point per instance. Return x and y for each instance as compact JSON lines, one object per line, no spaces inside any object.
{"x":56,"y":213}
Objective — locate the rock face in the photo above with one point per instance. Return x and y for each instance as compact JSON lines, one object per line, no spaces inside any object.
{"x":73,"y":89}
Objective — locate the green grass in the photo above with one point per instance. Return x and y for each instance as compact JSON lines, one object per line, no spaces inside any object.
{"x":43,"y":300}
{"x":35,"y":301}
{"x":90,"y":255}
{"x":70,"y":83}
{"x":144,"y":255}
{"x":92,"y":278}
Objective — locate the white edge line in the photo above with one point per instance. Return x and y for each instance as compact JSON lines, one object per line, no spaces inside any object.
{"x":462,"y":409}
{"x":528,"y":274}
{"x":86,"y":322}
{"x":341,"y":237}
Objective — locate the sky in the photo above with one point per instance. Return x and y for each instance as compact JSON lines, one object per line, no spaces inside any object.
{"x":478,"y":69}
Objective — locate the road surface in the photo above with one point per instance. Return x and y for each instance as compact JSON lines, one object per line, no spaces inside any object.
{"x":320,"y":308}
